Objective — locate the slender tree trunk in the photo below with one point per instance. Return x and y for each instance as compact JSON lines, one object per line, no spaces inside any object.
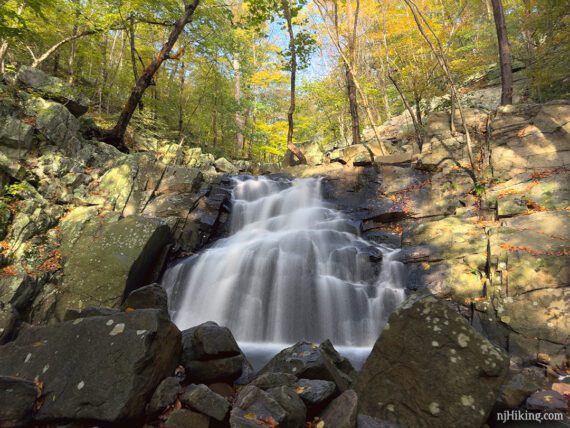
{"x":237,"y":96}
{"x":351,"y":86}
{"x":117,"y":134}
{"x":39,"y":60}
{"x":504,"y":53}
{"x":3,"y":50}
{"x":181,"y":102}
{"x":359,"y":89}
{"x":290,"y":114}
{"x":73,"y":46}
{"x":442,"y":61}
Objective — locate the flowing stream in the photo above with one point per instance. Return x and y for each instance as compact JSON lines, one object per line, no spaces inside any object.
{"x":292,"y":268}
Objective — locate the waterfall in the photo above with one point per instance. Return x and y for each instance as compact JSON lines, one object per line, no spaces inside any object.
{"x":292,"y":268}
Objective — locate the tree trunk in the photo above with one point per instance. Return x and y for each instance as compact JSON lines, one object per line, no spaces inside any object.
{"x":73,"y":47}
{"x":39,"y":60}
{"x":442,"y":61}
{"x":290,"y":114}
{"x":237,"y":96}
{"x":350,"y":84}
{"x":353,"y":102}
{"x":117,"y":134}
{"x":504,"y":53}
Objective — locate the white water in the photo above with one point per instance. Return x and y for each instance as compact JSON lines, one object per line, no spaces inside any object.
{"x":291,"y":269}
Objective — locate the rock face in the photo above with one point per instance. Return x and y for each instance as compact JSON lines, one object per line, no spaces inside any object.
{"x":442,"y":373}
{"x":109,"y":259}
{"x":99,"y":368}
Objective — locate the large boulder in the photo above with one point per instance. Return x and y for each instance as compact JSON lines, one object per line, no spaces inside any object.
{"x":253,"y":407}
{"x":342,"y":412}
{"x":210,"y":353}
{"x":52,"y":88}
{"x":310,"y":361}
{"x":442,"y":374}
{"x":100,"y":368}
{"x":109,"y":259}
{"x":16,"y":134}
{"x":206,"y":401}
{"x":58,"y":125}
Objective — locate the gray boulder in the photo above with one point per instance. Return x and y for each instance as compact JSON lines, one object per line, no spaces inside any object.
{"x":52,"y":88}
{"x":17,"y":401}
{"x":443,"y":374}
{"x":293,"y":406}
{"x":210,"y":353}
{"x":225,"y":166}
{"x":315,"y":391}
{"x":273,"y":380}
{"x":99,"y":368}
{"x":310,"y":361}
{"x":183,"y":418}
{"x":108,"y":259}
{"x":165,"y":394}
{"x":342,"y":412}
{"x":58,"y":125}
{"x":16,"y":134}
{"x":151,"y":296}
{"x":253,"y":407}
{"x":206,"y":401}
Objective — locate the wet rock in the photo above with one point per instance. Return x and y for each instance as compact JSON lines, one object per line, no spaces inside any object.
{"x":52,"y":88}
{"x":151,"y":296}
{"x":206,"y":401}
{"x":308,"y":360}
{"x":17,"y":401}
{"x":293,"y":406}
{"x":443,"y":374}
{"x":547,"y":401}
{"x":183,"y":418}
{"x":314,"y":391}
{"x":165,"y":394}
{"x":253,"y":405}
{"x":273,"y":380}
{"x":117,"y":362}
{"x":109,"y":259}
{"x":342,"y":412}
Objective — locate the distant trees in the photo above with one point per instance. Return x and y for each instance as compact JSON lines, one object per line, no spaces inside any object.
{"x":297,"y":56}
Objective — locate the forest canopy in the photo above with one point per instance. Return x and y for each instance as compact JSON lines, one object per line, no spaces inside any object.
{"x":226,"y":85}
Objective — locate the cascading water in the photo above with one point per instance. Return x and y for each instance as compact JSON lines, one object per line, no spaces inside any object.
{"x":291,"y":269}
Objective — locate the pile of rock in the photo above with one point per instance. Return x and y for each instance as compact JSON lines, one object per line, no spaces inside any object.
{"x":134,"y":367}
